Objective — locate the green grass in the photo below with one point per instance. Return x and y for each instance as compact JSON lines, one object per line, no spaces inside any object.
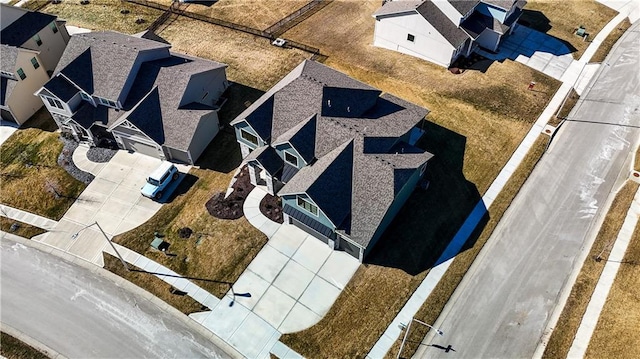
{"x":12,"y":348}
{"x":569,"y":321}
{"x":24,"y":230}
{"x":30,"y":173}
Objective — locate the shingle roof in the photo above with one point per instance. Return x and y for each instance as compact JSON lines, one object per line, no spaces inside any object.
{"x":268,"y":159}
{"x":396,"y":7}
{"x":353,"y":188}
{"x":477,"y":23}
{"x":24,"y":28}
{"x":450,"y":31}
{"x":61,"y":88}
{"x":302,"y":137}
{"x":9,"y":58}
{"x":154,"y":100}
{"x":101,"y":62}
{"x":463,"y":6}
{"x":503,"y":4}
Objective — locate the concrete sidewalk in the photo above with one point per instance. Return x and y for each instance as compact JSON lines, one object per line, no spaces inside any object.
{"x":570,"y":77}
{"x":27,"y":217}
{"x":607,"y":277}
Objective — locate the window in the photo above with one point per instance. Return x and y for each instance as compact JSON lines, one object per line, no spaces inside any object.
{"x":291,"y":158}
{"x":107,"y":102}
{"x":422,"y":169}
{"x":53,"y":27}
{"x":37,"y":39}
{"x":35,"y":63}
{"x":54,"y":103}
{"x":249,"y":136}
{"x":21,"y":74}
{"x":307,"y":206}
{"x":111,"y":103}
{"x":410,"y":37}
{"x":85,"y":96}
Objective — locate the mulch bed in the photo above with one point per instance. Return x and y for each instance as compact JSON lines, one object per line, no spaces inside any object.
{"x":271,"y":206}
{"x":65,"y":160}
{"x":231,"y":207}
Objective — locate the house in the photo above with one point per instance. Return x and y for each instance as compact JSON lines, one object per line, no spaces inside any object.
{"x":32,"y":44}
{"x":134,"y":92}
{"x":440,"y":31}
{"x":339,"y":153}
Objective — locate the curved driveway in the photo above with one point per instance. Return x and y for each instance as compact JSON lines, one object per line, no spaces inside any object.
{"x":81,"y":314}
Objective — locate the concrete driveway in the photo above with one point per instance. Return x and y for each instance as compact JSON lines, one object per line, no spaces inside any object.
{"x":6,"y":130}
{"x":112,"y":199}
{"x":535,"y":49}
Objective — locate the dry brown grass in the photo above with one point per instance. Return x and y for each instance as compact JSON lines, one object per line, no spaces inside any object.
{"x":569,"y":321}
{"x":24,"y":230}
{"x":636,"y":164}
{"x":13,"y":348}
{"x":568,"y":105}
{"x":226,"y":246}
{"x":252,"y":61}
{"x":617,"y":334}
{"x":101,"y":14}
{"x":257,"y":14}
{"x":154,"y":285}
{"x":562,"y":18}
{"x":29,"y":168}
{"x":608,"y":43}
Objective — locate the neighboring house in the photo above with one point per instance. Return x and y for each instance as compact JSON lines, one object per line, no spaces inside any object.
{"x":338,"y":152}
{"x":134,"y":91}
{"x":440,"y":31}
{"x":32,"y":44}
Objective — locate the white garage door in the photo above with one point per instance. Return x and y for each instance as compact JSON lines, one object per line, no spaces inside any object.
{"x":140,"y":147}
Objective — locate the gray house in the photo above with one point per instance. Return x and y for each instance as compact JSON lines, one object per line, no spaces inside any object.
{"x":338,"y":152}
{"x":132,"y":90}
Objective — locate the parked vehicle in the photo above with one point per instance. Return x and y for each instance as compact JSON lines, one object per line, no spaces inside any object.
{"x":159,"y":179}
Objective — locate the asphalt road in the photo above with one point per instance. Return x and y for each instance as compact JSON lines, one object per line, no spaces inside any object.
{"x":80,"y":314}
{"x":503,"y":305}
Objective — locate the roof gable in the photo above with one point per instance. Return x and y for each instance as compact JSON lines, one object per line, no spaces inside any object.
{"x":147,"y":117}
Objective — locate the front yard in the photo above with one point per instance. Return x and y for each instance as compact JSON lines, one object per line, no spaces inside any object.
{"x":31,"y":178}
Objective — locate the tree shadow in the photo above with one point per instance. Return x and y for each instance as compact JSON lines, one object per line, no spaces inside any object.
{"x":223,"y":153}
{"x":431,"y":219}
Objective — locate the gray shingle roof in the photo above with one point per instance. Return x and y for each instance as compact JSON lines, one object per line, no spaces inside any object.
{"x":396,"y":7}
{"x":24,"y":28}
{"x":160,"y":115}
{"x":353,"y":188}
{"x":463,"y":6}
{"x":503,"y":4}
{"x":268,"y":159}
{"x":61,"y":88}
{"x":101,"y":62}
{"x":9,"y":58}
{"x":450,"y":31}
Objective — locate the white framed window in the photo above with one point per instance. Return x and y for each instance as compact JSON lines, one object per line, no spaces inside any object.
{"x":35,"y":63}
{"x":21,"y":73}
{"x":423,"y":169}
{"x":290,"y":158}
{"x":307,"y":206}
{"x":251,"y":138}
{"x":107,"y":102}
{"x":85,"y":96}
{"x":54,"y":102}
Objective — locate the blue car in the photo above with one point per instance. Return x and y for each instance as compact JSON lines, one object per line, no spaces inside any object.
{"x":158,"y":181}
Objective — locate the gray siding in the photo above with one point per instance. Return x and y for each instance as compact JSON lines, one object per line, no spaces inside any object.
{"x":245,"y":126}
{"x":292,"y":201}
{"x":287,"y":147}
{"x":211,"y":83}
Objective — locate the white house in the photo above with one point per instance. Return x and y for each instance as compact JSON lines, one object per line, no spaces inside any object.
{"x":440,"y":31}
{"x":32,"y":44}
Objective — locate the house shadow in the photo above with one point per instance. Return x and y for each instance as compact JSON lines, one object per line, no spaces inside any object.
{"x":183,"y":187}
{"x":536,"y":20}
{"x":223,"y":152}
{"x":431,"y":219}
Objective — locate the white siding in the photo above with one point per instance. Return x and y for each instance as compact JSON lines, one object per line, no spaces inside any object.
{"x":391,"y":33}
{"x":448,"y":9}
{"x":211,"y":83}
{"x":207,"y":129}
{"x":53,"y":45}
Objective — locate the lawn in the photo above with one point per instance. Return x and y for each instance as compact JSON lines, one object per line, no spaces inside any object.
{"x":24,"y":230}
{"x":617,"y":333}
{"x":257,"y":14}
{"x":101,"y":14}
{"x":12,"y":348}
{"x":218,"y":249}
{"x":569,"y":321}
{"x":477,"y":121}
{"x":562,"y":18}
{"x":30,"y":172}
{"x":611,"y":39}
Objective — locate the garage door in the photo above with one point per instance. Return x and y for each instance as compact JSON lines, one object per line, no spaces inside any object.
{"x":7,"y":116}
{"x":140,"y":147}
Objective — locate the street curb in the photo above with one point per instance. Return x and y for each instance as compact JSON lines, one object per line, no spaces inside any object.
{"x":125,"y":284}
{"x":35,"y":344}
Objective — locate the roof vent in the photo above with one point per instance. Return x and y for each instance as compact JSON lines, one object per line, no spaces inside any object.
{"x":348,"y":109}
{"x":329,"y":103}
